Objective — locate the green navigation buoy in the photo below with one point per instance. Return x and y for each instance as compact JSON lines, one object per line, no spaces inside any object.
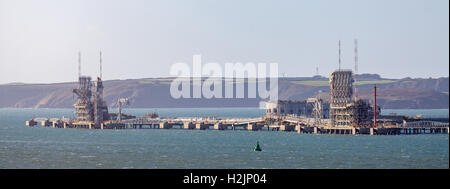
{"x":257,"y":147}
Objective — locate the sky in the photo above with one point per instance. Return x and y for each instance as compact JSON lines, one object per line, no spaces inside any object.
{"x":40,"y":40}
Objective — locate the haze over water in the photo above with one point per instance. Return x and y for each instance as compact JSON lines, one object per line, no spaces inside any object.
{"x":39,"y":147}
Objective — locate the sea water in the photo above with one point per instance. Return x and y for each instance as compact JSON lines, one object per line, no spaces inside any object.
{"x":46,"y":147}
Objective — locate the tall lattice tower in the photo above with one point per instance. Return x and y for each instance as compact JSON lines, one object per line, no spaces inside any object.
{"x":341,"y":94}
{"x":83,"y":106}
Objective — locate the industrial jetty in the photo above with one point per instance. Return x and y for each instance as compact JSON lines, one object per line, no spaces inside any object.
{"x":342,"y":113}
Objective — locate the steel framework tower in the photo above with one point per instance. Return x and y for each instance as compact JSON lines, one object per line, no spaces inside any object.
{"x":94,"y":111}
{"x":83,"y":105}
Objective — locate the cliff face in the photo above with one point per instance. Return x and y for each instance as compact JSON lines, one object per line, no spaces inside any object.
{"x":155,"y":93}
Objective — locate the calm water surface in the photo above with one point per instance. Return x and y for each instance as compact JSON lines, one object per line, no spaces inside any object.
{"x":39,"y":147}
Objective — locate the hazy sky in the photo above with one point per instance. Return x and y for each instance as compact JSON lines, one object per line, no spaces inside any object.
{"x":39,"y":40}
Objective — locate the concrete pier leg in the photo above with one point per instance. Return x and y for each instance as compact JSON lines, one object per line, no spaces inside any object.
{"x":45,"y":123}
{"x":219,"y":126}
{"x":315,"y":130}
{"x":250,"y":127}
{"x":188,"y":125}
{"x":201,"y":126}
{"x":162,"y":125}
{"x":298,"y":129}
{"x":371,"y":131}
{"x":353,"y":131}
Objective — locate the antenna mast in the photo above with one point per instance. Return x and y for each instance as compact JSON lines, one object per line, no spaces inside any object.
{"x":356,"y":68}
{"x":339,"y":55}
{"x":79,"y":64}
{"x":100,"y":64}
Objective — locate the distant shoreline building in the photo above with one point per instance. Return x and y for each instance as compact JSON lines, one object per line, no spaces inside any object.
{"x":293,"y":107}
{"x":341,"y":93}
{"x":343,"y":108}
{"x":90,"y":110}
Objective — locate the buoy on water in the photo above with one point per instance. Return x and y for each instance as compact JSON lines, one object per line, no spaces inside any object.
{"x":257,"y":147}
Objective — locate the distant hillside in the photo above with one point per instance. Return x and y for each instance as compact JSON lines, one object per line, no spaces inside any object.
{"x":155,"y":93}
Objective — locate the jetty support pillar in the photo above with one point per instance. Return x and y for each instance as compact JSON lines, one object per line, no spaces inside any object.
{"x":298,"y":128}
{"x":254,"y":127}
{"x":201,"y":126}
{"x":188,"y":125}
{"x":164,"y":125}
{"x":219,"y":126}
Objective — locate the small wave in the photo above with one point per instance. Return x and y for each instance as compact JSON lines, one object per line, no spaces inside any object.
{"x":87,"y":156}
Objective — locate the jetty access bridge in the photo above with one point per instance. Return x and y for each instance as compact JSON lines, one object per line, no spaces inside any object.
{"x":285,"y":123}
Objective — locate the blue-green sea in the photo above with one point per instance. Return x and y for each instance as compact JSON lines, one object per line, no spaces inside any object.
{"x":41,"y":147}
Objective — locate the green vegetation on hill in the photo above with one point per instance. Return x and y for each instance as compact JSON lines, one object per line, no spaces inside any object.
{"x":311,"y":83}
{"x":374,"y":82}
{"x":321,"y":83}
{"x":155,"y":92}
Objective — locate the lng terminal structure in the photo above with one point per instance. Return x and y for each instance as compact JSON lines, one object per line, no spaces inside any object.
{"x":344,"y":113}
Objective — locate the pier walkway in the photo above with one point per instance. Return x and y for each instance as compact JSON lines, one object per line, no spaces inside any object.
{"x":294,"y":124}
